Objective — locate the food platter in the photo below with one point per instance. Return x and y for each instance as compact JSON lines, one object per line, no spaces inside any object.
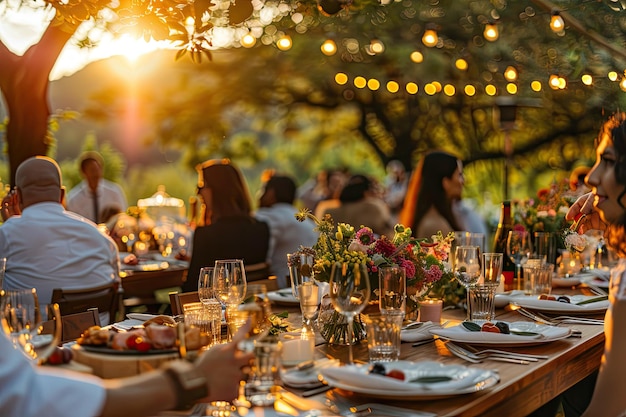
{"x":109,"y":351}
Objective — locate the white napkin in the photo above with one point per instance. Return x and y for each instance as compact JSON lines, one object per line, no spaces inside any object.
{"x":557,"y":306}
{"x":461,"y":334}
{"x":307,"y":378}
{"x":419,"y":333}
{"x":141,"y":316}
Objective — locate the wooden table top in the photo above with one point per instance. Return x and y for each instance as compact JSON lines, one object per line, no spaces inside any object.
{"x":522,"y":388}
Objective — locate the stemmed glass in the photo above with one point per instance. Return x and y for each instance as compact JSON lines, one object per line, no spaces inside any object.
{"x":23,"y":322}
{"x":467,"y":269}
{"x":349,"y":293}
{"x":518,"y":249}
{"x":303,"y":285}
{"x":229,"y":281}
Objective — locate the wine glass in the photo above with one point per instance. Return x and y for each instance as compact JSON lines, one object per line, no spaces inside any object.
{"x":229,"y":281}
{"x":303,"y":285}
{"x":256,"y":308}
{"x":518,"y":249}
{"x":467,"y":268}
{"x":205,"y":285}
{"x":23,"y":321}
{"x":349,"y":293}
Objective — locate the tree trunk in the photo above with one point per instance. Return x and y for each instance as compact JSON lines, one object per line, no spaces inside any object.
{"x":24,"y":81}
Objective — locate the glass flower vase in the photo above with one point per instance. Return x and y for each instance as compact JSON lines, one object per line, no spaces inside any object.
{"x":333,"y":325}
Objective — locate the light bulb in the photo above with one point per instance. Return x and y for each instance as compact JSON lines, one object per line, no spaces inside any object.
{"x":510,"y":73}
{"x":284,"y":43}
{"x":329,"y":47}
{"x":430,"y":38}
{"x":491,"y":32}
{"x":556,"y":22}
{"x":248,"y":40}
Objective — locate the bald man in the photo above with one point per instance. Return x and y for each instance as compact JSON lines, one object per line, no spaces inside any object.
{"x":48,"y":247}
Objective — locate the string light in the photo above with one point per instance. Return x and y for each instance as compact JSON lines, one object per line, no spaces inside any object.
{"x":341,"y":78}
{"x":248,"y":40}
{"x":510,"y":73}
{"x":393,"y":87}
{"x":491,"y":32}
{"x":461,"y":64}
{"x":412,"y":88}
{"x":556,"y":22}
{"x":430,"y":38}
{"x":377,"y":46}
{"x":417,"y":57}
{"x":554,"y":82}
{"x":329,"y":47}
{"x":612,"y":76}
{"x":587,"y":79}
{"x":360,"y":82}
{"x":284,"y":43}
{"x":373,"y":84}
{"x":470,"y":90}
{"x":622,"y":84}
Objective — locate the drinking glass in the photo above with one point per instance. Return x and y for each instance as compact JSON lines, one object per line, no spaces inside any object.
{"x":205,"y":285}
{"x":303,"y":285}
{"x":349,"y":293}
{"x":492,"y":268}
{"x":518,"y":249}
{"x":255,"y":308}
{"x":23,"y":322}
{"x":229,"y":281}
{"x":392,"y":290}
{"x":467,"y":269}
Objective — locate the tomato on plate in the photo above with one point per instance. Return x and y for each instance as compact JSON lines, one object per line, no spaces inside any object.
{"x":397,"y":374}
{"x":490,"y":327}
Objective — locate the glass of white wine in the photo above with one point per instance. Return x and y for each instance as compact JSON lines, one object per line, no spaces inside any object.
{"x":303,"y":284}
{"x":467,"y":269}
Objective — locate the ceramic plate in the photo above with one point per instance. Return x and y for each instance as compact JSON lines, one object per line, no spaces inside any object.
{"x":456,"y":380}
{"x":502,"y":299}
{"x":549,"y":306}
{"x":542,"y":334}
{"x":108,"y":351}
{"x":283,"y":296}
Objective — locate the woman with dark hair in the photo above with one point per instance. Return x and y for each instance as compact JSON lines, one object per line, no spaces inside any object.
{"x":607,"y":204}
{"x":229,"y":231}
{"x":435,"y":186}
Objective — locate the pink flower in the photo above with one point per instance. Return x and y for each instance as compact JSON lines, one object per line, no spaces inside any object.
{"x":365,"y":236}
{"x":433,"y":274}
{"x":408,"y":266}
{"x":384,"y":247}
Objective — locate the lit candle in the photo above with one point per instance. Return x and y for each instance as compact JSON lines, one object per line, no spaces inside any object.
{"x":297,"y":350}
{"x":430,"y":310}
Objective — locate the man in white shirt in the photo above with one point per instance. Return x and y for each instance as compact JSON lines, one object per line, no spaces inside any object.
{"x":94,"y":194}
{"x":48,"y":247}
{"x":286,"y":233}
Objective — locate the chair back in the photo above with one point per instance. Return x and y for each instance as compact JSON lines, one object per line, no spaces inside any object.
{"x":178,"y":300}
{"x":73,"y":325}
{"x":106,"y":298}
{"x":257,"y":272}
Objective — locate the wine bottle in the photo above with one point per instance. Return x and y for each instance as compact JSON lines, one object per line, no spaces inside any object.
{"x":502,"y":232}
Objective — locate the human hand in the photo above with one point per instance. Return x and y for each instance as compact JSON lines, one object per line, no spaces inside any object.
{"x":223,"y":366}
{"x":10,"y":205}
{"x":585,"y":214}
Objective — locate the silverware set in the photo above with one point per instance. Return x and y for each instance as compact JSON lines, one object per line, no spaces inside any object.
{"x":492,"y":354}
{"x":556,"y":321}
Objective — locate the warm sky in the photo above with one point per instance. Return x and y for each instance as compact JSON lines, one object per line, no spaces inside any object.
{"x":20,"y":30}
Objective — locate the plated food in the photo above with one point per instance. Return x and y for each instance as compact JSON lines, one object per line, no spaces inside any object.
{"x":520,"y":333}
{"x":575,"y":304}
{"x":410,"y":380}
{"x":157,"y":335}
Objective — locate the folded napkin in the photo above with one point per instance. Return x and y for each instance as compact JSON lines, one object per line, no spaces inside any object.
{"x":544,"y":334}
{"x":419,"y":333}
{"x":307,"y":378}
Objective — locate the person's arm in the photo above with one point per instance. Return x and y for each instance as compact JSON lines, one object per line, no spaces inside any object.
{"x":585,"y":214}
{"x":10,"y":205}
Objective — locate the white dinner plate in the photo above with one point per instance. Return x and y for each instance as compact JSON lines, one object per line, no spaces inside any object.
{"x":462,"y":380}
{"x":549,"y":306}
{"x":572,"y":281}
{"x":284,"y":296}
{"x":544,"y":334}
{"x":502,"y":299}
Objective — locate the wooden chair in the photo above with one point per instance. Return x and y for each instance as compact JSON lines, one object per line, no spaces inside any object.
{"x":257,"y":272}
{"x":178,"y":300}
{"x":106,"y":298}
{"x":73,"y":325}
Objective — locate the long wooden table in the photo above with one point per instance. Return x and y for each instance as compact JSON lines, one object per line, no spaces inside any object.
{"x":522,"y":388}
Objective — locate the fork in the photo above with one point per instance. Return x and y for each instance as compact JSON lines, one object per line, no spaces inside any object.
{"x":544,"y":320}
{"x":473,"y":358}
{"x":503,"y":352}
{"x":570,"y":319}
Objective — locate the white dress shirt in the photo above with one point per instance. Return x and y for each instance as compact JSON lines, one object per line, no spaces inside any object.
{"x":80,"y":198}
{"x":29,"y":391}
{"x":48,"y":247}
{"x":286,"y":235}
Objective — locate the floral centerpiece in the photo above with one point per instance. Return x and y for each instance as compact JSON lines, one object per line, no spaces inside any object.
{"x":546,"y":212}
{"x":424,"y":262}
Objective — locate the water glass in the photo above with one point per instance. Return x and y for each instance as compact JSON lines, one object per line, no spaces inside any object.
{"x":482,"y":304}
{"x":538,"y":279}
{"x":206,"y":317}
{"x":383,"y":336}
{"x":261,"y":388}
{"x":392,"y":289}
{"x":492,"y":268}
{"x":545,"y":246}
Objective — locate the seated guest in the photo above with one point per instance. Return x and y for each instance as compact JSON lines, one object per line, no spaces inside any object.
{"x":48,"y":247}
{"x":360,"y":206}
{"x":94,"y":193}
{"x":32,"y":391}
{"x":230,"y":231}
{"x":287,"y":234}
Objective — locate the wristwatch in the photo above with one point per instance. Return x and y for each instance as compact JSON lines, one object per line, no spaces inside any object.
{"x":190,"y":383}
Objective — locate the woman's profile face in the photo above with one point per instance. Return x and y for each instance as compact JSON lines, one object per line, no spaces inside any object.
{"x":453,"y":186}
{"x":605,"y":187}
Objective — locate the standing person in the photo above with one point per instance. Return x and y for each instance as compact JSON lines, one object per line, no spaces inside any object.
{"x":607,"y":204}
{"x":286,"y":233}
{"x":33,"y":391}
{"x":48,"y":247}
{"x":93,"y":194}
{"x":230,"y":230}
{"x":396,"y":183}
{"x":434,"y":193}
